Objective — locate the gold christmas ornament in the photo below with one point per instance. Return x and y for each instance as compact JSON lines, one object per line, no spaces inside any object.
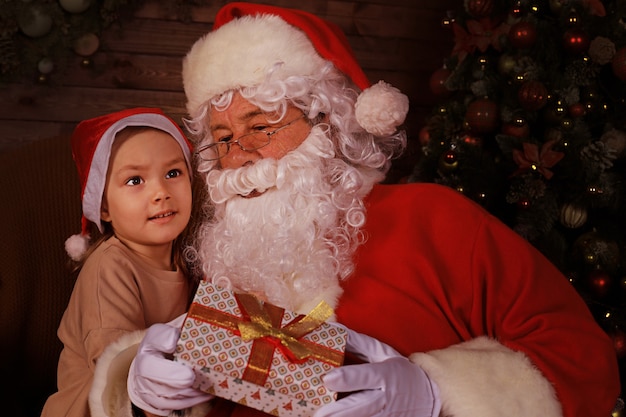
{"x":506,"y":64}
{"x":75,"y":6}
{"x":86,"y":45}
{"x":573,"y":215}
{"x":448,"y":161}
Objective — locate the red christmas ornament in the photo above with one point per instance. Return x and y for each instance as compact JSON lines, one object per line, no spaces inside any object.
{"x":575,"y":41}
{"x":472,"y":140}
{"x":482,"y":116}
{"x":619,"y":343}
{"x":516,"y":130}
{"x":600,"y":282}
{"x":523,"y":35}
{"x":424,"y":136}
{"x":532,"y":95}
{"x":479,"y":8}
{"x":619,"y":63}
{"x":437,"y":82}
{"x":577,"y":110}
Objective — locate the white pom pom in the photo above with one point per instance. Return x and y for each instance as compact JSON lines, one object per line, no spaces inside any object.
{"x":76,"y":246}
{"x":381,"y":108}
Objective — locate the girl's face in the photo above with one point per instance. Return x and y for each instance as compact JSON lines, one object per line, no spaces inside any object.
{"x":147,"y":198}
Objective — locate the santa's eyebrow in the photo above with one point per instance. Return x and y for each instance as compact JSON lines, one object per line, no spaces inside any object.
{"x":243,"y":118}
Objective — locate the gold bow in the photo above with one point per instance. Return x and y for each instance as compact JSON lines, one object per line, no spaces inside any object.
{"x":262,"y":326}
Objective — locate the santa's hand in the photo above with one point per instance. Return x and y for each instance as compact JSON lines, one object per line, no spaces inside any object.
{"x":390,"y":385}
{"x":157,"y":384}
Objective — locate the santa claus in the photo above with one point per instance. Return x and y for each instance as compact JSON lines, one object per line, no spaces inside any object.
{"x":453,"y":313}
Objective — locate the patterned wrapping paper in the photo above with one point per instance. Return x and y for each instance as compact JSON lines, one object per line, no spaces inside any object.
{"x":260,"y":355}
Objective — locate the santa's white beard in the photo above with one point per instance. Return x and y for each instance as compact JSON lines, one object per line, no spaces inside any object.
{"x":288,"y":246}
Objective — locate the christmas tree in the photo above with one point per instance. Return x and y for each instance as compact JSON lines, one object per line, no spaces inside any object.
{"x":531,"y":123}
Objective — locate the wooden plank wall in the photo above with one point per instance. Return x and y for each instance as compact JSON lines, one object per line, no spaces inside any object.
{"x":399,"y":41}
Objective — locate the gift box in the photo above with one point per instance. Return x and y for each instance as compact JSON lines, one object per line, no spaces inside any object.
{"x":260,"y":355}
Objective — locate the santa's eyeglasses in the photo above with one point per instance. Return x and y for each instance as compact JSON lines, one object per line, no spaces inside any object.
{"x":248,"y":142}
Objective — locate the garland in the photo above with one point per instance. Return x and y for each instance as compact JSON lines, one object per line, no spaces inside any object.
{"x":38,"y":37}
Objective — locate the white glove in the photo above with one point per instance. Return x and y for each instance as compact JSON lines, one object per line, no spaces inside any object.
{"x":389,"y":385}
{"x":157,"y":384}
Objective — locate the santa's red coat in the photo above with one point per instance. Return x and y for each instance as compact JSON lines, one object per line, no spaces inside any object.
{"x":499,"y":329}
{"x":438,"y":271}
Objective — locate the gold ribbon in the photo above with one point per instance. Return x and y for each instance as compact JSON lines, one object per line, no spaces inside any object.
{"x":262,"y":326}
{"x":261,"y":322}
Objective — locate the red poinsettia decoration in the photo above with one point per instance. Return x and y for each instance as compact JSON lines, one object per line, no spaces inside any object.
{"x":479,"y":35}
{"x":537,"y":160}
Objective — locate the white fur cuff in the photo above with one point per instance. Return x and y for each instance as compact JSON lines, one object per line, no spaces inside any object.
{"x":482,"y":377}
{"x":108,"y":396}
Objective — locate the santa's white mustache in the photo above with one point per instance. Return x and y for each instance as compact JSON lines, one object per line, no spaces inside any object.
{"x":227,"y":183}
{"x":267,"y":173}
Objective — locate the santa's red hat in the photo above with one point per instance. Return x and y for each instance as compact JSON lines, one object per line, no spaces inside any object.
{"x":249,"y":39}
{"x":91,"y":148}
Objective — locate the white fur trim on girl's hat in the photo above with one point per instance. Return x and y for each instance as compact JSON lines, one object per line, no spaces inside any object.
{"x":250,"y":39}
{"x":91,"y":148}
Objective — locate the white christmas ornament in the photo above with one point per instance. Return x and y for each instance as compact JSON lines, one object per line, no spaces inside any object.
{"x":75,"y":6}
{"x":35,"y":25}
{"x":45,"y":66}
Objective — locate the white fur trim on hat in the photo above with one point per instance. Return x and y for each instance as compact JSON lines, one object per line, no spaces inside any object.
{"x":381,"y":108}
{"x":243,"y":51}
{"x":240,"y":54}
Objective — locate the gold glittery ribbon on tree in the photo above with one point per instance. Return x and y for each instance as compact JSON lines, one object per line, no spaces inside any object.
{"x":261,"y":323}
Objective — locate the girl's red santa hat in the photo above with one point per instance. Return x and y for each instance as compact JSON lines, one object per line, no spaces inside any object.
{"x":91,"y":149}
{"x":247,"y":41}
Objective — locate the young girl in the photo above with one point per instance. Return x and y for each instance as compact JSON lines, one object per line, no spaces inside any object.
{"x":135,"y":172}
